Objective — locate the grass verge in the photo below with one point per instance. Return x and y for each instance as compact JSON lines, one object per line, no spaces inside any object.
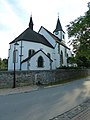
{"x":66,"y":80}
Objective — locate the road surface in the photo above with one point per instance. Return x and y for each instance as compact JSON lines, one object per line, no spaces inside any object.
{"x":44,"y":103}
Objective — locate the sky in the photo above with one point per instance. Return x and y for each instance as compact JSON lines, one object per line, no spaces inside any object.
{"x":15,"y":16}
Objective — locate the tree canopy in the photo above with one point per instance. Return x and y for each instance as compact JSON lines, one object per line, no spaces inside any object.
{"x":3,"y":64}
{"x":79,"y":35}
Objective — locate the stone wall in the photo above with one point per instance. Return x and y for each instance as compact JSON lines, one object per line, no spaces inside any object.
{"x":32,"y":77}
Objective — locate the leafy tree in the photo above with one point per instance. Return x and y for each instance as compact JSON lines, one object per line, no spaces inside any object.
{"x":0,"y":63}
{"x":79,"y":35}
{"x":3,"y":64}
{"x":82,"y":61}
{"x":71,"y":60}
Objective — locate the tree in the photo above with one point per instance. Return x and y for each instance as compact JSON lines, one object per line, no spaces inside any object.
{"x":79,"y":35}
{"x":0,"y":63}
{"x":3,"y":64}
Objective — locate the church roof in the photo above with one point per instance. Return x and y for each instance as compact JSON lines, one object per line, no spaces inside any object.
{"x":35,"y":54}
{"x":58,"y":26}
{"x":55,"y":38}
{"x":32,"y":36}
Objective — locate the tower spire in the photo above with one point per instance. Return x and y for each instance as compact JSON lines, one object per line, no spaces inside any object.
{"x":59,"y":31}
{"x":31,"y":23}
{"x":58,"y":25}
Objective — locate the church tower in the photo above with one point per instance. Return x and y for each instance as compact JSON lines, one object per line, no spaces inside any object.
{"x":31,"y":23}
{"x":59,"y":31}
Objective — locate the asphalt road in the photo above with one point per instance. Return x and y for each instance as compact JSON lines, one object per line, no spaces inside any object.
{"x":44,"y":103}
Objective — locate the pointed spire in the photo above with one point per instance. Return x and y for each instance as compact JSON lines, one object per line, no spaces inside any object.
{"x":58,"y":26}
{"x":31,"y":23}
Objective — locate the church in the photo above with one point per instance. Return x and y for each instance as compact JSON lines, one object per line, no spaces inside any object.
{"x":40,"y":50}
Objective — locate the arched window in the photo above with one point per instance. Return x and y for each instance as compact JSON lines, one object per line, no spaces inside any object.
{"x":65,"y":52}
{"x":67,"y":58}
{"x":63,"y":37}
{"x":61,"y":57}
{"x":40,"y":61}
{"x":31,"y":52}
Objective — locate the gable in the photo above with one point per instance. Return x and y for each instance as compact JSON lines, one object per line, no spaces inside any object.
{"x":54,"y":39}
{"x":35,"y":54}
{"x":43,"y":32}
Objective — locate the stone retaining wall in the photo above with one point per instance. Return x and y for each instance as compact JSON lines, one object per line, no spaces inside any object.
{"x":31,"y":77}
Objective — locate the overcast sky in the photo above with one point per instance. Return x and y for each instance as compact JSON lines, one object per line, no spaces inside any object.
{"x":15,"y":16}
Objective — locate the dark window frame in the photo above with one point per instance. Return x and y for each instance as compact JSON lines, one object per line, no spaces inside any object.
{"x":40,"y":62}
{"x":31,"y":52}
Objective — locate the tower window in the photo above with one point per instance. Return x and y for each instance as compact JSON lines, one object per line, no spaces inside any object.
{"x":56,"y":33}
{"x":40,"y":62}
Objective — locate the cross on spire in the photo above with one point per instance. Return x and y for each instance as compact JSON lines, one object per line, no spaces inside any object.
{"x":58,"y":14}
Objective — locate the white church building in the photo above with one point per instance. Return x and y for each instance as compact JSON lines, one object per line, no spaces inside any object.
{"x":40,"y":50}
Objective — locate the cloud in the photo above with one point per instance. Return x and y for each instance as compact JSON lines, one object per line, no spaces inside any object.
{"x":10,"y":26}
{"x":17,"y":9}
{"x":8,"y":17}
{"x":3,"y":27}
{"x":15,"y":15}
